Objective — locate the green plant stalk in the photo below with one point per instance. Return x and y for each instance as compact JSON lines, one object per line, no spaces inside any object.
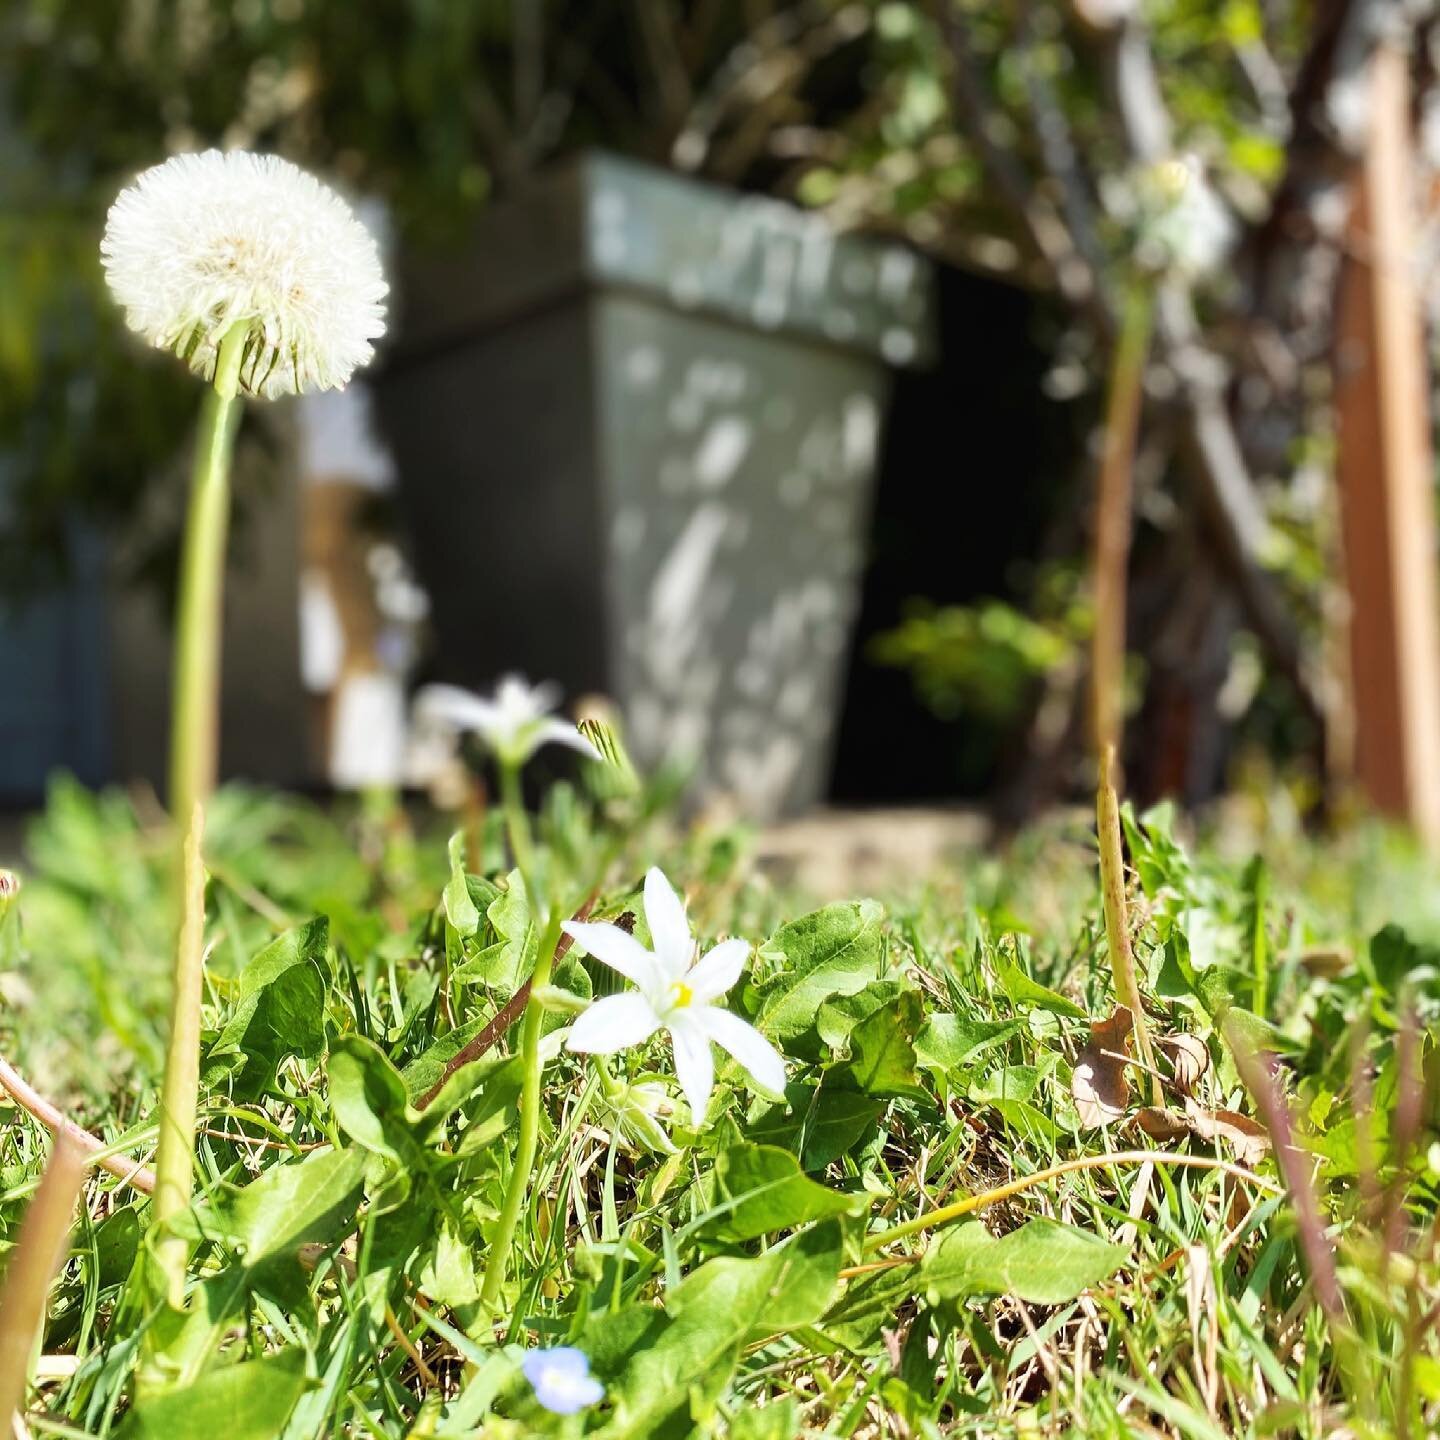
{"x":1113,"y":504}
{"x":517,"y":824}
{"x":30,"y":1269}
{"x":194,"y":742}
{"x":1117,"y":924}
{"x":971,"y":1203}
{"x":194,"y":719}
{"x":518,"y":1190}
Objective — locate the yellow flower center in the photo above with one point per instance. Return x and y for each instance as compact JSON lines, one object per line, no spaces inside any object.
{"x":680,"y":995}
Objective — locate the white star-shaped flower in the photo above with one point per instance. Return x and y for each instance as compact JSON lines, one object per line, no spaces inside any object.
{"x":206,"y":242}
{"x":675,"y":992}
{"x":515,"y":723}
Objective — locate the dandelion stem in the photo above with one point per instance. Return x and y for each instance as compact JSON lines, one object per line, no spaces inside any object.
{"x":194,"y":742}
{"x":194,"y":721}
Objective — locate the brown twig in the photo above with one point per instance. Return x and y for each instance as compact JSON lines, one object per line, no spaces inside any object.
{"x":36,"y":1105}
{"x":504,"y":1018}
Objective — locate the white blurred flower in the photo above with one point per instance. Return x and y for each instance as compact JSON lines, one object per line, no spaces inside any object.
{"x":515,"y":723}
{"x":676,"y":992}
{"x":205,"y":242}
{"x":1185,"y":225}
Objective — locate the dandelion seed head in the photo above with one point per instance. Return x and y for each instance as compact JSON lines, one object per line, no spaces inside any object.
{"x":205,"y":242}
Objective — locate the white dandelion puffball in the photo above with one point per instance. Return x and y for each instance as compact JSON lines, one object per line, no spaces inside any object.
{"x":205,"y":242}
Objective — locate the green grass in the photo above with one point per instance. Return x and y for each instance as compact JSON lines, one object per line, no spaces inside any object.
{"x":736,"y":1278}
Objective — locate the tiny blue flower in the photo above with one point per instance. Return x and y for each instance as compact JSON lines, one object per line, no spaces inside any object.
{"x":561,"y":1378}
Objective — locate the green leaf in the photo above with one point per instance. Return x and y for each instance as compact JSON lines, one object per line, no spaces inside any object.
{"x":838,"y":1017}
{"x":1044,"y":1262}
{"x":1396,"y":959}
{"x":369,"y":1099}
{"x":448,"y":1275}
{"x":117,"y":1243}
{"x":950,"y":1042}
{"x":311,"y":1202}
{"x":249,"y":1401}
{"x":834,"y":951}
{"x":460,"y":909}
{"x":758,"y":1189}
{"x":281,"y":1007}
{"x":882,"y":1048}
{"x":709,"y":1316}
{"x":819,"y":1123}
{"x":509,"y":917}
{"x":1026,"y":992}
{"x":775,"y":1420}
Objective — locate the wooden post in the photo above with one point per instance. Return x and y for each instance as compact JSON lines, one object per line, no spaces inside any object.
{"x":1386,"y":475}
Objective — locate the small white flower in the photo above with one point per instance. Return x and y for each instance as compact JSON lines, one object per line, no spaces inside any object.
{"x":205,"y":242}
{"x":676,"y":993}
{"x":561,"y":1379}
{"x":1186,"y":226}
{"x":514,"y":724}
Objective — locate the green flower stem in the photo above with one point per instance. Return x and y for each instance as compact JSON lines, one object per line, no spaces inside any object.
{"x":1117,"y":922}
{"x":1112,"y":516}
{"x":610,"y":1087}
{"x":194,"y":739}
{"x":520,"y":1175}
{"x":517,"y":824}
{"x":194,"y":720}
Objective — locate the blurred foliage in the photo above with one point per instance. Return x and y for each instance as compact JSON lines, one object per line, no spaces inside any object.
{"x":429,"y":104}
{"x":987,"y":660}
{"x":434,"y":105}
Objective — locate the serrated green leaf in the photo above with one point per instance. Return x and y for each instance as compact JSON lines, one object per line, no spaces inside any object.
{"x":281,"y":1007}
{"x":830,"y":952}
{"x":882,"y":1048}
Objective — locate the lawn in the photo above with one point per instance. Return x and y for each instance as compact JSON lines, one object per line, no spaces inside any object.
{"x":922,"y":1236}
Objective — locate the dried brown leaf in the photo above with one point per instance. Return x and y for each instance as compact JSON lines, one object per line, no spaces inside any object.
{"x":1162,"y":1125}
{"x":1098,"y":1084}
{"x":1189,"y":1060}
{"x":1249,"y":1139}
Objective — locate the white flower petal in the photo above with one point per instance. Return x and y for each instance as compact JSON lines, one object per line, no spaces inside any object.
{"x":613,"y":1023}
{"x":755,"y":1053}
{"x":694,"y":1065}
{"x":669,"y":929}
{"x":613,"y":947}
{"x":561,"y":732}
{"x":718,"y":969}
{"x":458,"y":709}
